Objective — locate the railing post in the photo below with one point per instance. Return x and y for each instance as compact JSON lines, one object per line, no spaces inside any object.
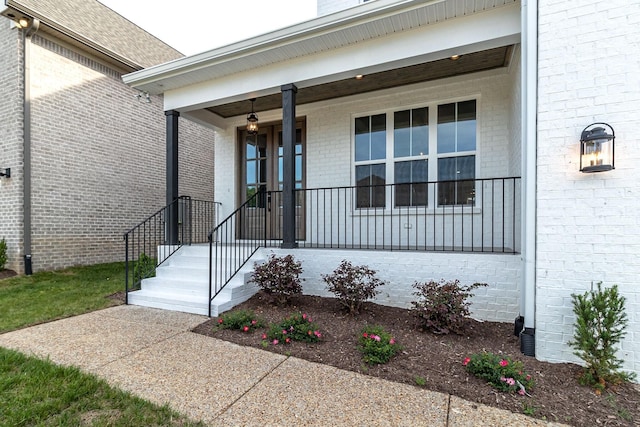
{"x":126,"y":268}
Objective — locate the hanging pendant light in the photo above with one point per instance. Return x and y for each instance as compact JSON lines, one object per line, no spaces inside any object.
{"x":252,"y":120}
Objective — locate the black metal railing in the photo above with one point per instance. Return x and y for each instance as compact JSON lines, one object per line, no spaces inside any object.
{"x":148,"y":244}
{"x":234,"y":240}
{"x":479,"y":215}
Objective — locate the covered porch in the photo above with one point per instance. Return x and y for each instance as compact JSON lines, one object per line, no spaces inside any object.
{"x":394,"y":126}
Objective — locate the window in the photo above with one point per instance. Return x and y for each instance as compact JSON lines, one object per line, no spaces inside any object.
{"x":456,"y":153}
{"x":412,"y":151}
{"x":370,"y":156}
{"x":410,"y":141}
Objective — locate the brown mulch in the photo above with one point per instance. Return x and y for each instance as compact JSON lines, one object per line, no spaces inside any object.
{"x":437,"y":359}
{"x":5,"y":274}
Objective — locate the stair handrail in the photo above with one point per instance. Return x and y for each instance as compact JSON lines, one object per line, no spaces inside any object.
{"x":144,"y":240}
{"x":224,"y":273}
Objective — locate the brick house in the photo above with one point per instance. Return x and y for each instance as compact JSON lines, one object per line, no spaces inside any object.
{"x":432,"y":139}
{"x":86,"y":158}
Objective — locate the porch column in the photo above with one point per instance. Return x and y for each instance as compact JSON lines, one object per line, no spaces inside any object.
{"x":172,"y":176}
{"x":288,"y":166}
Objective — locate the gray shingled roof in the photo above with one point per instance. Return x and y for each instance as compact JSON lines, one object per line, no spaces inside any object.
{"x":101,"y":25}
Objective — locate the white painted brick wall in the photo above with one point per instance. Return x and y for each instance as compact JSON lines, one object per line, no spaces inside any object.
{"x":497,"y":302}
{"x":588,"y":224}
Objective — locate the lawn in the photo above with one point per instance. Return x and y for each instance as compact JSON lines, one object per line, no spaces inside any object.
{"x":34,"y":392}
{"x":46,"y":296}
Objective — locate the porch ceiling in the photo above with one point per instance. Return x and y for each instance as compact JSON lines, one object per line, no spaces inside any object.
{"x":469,"y":63}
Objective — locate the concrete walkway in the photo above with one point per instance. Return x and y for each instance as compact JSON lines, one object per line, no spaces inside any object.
{"x":152,"y":354}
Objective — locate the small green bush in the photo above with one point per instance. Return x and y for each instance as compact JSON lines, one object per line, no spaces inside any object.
{"x":500,"y":372}
{"x":442,"y":307}
{"x":353,"y":285}
{"x":243,"y":320}
{"x":297,"y":327}
{"x":600,"y":323}
{"x":3,"y":254}
{"x":144,"y":268}
{"x":279,"y":278}
{"x":377,"y":345}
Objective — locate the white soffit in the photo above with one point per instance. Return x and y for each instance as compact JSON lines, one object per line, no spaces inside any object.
{"x":321,"y":35}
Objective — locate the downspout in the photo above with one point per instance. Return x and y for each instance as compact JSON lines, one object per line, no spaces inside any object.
{"x":26,"y":188}
{"x":529,"y":106}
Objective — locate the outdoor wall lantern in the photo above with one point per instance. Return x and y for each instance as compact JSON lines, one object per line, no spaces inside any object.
{"x":252,"y":120}
{"x":596,"y":148}
{"x":6,"y":172}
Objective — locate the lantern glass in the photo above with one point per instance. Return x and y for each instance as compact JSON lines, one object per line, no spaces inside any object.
{"x":252,"y":123}
{"x":596,"y":149}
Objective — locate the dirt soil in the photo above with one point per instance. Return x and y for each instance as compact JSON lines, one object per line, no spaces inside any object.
{"x":437,"y":359}
{"x":5,"y":274}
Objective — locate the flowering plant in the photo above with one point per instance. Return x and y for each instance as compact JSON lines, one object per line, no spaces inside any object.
{"x":244,"y":320}
{"x":502,"y":373}
{"x":377,"y":346}
{"x":297,"y":327}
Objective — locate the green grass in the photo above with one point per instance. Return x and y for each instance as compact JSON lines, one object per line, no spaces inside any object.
{"x":38,"y":393}
{"x":46,"y":296}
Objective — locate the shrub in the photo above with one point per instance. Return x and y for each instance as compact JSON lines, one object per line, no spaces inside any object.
{"x":243,"y":320}
{"x":297,"y":327}
{"x":3,"y":254}
{"x":145,"y":267}
{"x":377,"y":346}
{"x":600,"y":323}
{"x":442,"y":307}
{"x":500,"y":372}
{"x":279,"y":278}
{"x":353,"y":285}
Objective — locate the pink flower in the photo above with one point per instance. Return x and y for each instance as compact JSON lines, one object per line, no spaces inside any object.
{"x":287,"y":340}
{"x":375,"y":337}
{"x":304,"y":316}
{"x":245,"y":329}
{"x":317,"y":334}
{"x":291,"y":328}
{"x":365,"y":335}
{"x":392,"y":341}
{"x":504,"y":363}
{"x":264,"y":336}
{"x":521,"y":392}
{"x":284,"y":332}
{"x":510,"y":381}
{"x":528,"y":377}
{"x":220,"y":321}
{"x":253,"y":322}
{"x":275,"y":342}
{"x":466,"y":361}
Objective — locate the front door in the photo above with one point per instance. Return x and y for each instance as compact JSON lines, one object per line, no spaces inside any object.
{"x":262,"y":179}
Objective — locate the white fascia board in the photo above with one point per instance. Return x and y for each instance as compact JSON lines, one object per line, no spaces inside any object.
{"x":294,"y":33}
{"x":485,"y":30}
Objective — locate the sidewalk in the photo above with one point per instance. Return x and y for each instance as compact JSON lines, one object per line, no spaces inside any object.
{"x":152,"y":354}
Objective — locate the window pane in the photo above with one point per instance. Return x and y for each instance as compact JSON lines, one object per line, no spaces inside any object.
{"x":378,"y":137}
{"x":251,"y":172}
{"x":262,"y":170}
{"x":446,"y":128}
{"x":457,"y":168}
{"x":420,"y":132}
{"x":411,"y":172}
{"x":402,"y":133}
{"x":466,"y":126}
{"x":362,"y":139}
{"x":447,"y":169}
{"x":251,"y":150}
{"x":370,"y":190}
{"x":298,"y":168}
{"x":261,"y":142}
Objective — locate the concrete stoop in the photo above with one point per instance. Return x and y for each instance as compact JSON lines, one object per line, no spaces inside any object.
{"x":182,"y":284}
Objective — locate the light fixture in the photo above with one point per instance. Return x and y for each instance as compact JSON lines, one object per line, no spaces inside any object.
{"x":359,"y":76}
{"x":596,"y":148}
{"x":23,"y":22}
{"x":6,"y":172}
{"x":454,"y":57}
{"x":144,"y":97}
{"x":252,"y":120}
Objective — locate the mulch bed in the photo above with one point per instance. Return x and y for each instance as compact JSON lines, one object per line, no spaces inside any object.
{"x":5,"y":274}
{"x":437,"y":359}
